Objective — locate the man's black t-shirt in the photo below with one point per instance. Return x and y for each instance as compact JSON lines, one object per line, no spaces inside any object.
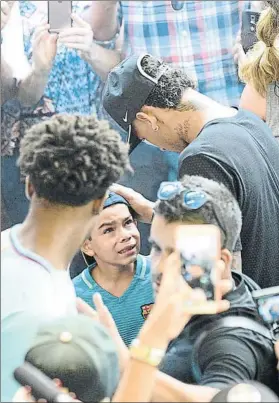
{"x":229,"y":355}
{"x":241,"y":153}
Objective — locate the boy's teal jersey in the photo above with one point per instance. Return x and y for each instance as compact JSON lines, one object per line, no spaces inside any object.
{"x":131,"y":309}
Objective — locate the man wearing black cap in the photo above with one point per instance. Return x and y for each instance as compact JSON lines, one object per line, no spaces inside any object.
{"x":155,"y":102}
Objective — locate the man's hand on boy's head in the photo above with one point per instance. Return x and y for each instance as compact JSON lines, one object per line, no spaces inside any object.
{"x":142,"y":207}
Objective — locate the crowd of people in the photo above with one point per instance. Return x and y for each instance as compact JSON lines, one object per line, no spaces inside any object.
{"x":140,"y":203}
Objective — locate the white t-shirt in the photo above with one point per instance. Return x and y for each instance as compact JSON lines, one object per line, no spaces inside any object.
{"x":30,"y":284}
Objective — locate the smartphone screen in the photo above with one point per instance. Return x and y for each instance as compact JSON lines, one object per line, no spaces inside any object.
{"x":267,"y":301}
{"x":59,"y":15}
{"x":249,"y":29}
{"x":200,"y":249}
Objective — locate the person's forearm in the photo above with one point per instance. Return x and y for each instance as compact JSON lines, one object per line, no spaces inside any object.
{"x":103,"y":60}
{"x":168,"y":389}
{"x":137,"y":383}
{"x":32,"y":88}
{"x":8,"y":87}
{"x":103,"y":19}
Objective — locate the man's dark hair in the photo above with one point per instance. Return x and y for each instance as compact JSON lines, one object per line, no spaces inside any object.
{"x":72,"y":159}
{"x":171,"y":86}
{"x":221,"y":209}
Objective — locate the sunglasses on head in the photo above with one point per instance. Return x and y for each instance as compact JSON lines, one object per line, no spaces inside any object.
{"x":191,"y":199}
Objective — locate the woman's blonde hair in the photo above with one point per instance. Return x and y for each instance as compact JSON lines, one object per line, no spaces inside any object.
{"x":261,"y":68}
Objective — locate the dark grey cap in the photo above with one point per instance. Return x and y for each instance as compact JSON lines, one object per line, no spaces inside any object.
{"x":125,"y":92}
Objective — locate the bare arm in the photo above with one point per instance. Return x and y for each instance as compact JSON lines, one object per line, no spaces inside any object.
{"x":80,"y":38}
{"x":103,"y":60}
{"x":31,"y":88}
{"x":104,"y":21}
{"x":8,"y":85}
{"x":252,"y":101}
{"x":137,"y":383}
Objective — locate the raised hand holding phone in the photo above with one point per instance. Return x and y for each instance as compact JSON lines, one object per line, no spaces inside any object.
{"x":176,"y":302}
{"x":44,"y":48}
{"x":78,"y":37}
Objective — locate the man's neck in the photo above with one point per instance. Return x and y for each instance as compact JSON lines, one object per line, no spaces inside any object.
{"x":204,"y":110}
{"x":54,"y":237}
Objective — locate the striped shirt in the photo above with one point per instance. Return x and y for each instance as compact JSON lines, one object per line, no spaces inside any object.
{"x":131,"y":309}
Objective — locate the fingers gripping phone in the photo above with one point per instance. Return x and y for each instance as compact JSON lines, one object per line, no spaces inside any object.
{"x":42,"y":386}
{"x":267,"y":301}
{"x":249,"y":29}
{"x":200,"y":250}
{"x":59,"y":15}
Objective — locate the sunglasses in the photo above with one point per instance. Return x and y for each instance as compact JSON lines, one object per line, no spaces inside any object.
{"x":191,"y":199}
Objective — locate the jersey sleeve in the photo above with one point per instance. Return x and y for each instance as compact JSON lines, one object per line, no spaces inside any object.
{"x":226,"y":359}
{"x":210,"y":168}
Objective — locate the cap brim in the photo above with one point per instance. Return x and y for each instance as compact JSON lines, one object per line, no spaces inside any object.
{"x":133,"y":140}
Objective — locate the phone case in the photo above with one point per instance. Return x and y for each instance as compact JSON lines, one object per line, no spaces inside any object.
{"x":59,"y":15}
{"x":249,"y":27}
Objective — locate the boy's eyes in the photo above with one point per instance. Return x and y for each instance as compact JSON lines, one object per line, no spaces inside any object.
{"x":111,"y":229}
{"x":129,"y":222}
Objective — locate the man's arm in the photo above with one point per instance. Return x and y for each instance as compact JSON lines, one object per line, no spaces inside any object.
{"x":80,"y":38}
{"x":223,"y":360}
{"x":8,"y":82}
{"x":104,"y":19}
{"x":31,"y":88}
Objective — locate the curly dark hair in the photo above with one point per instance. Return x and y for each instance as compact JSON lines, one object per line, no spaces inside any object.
{"x":72,"y":159}
{"x":221,"y":209}
{"x":171,"y":86}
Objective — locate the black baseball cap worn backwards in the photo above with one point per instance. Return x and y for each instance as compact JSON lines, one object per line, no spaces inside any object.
{"x":125,"y":92}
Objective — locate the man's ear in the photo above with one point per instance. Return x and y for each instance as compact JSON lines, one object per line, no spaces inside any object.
{"x":29,"y":189}
{"x":87,"y":248}
{"x":150,"y":119}
{"x":226,"y":256}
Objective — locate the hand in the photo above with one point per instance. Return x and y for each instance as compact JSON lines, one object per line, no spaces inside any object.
{"x":24,"y":394}
{"x":79,"y":37}
{"x":239,"y":55}
{"x":44,"y":48}
{"x":142,"y":207}
{"x":176,"y":303}
{"x":104,"y":317}
{"x":6,"y":8}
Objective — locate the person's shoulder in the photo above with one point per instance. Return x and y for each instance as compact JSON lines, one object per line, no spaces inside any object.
{"x":144,"y":263}
{"x":80,"y":283}
{"x":5,"y":240}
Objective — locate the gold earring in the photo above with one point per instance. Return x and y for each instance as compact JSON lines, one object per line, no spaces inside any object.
{"x":156,"y":129}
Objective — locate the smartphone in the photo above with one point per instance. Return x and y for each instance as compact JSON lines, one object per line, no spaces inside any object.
{"x":42,"y":386}
{"x":249,"y":29}
{"x":59,"y":15}
{"x":200,"y":249}
{"x":267,"y":301}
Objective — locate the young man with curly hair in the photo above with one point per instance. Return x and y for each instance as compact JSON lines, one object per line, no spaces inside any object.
{"x":69,"y":163}
{"x":230,"y":146}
